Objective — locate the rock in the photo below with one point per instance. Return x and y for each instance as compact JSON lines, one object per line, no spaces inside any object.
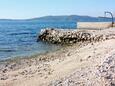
{"x":3,"y":77}
{"x":4,"y":70}
{"x":61,"y":36}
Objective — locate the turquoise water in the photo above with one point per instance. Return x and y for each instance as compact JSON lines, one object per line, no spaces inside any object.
{"x":19,"y":38}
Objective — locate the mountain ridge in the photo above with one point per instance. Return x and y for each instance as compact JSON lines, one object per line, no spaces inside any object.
{"x":63,"y":18}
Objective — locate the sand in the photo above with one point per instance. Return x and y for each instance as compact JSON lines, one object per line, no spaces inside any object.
{"x":82,"y":64}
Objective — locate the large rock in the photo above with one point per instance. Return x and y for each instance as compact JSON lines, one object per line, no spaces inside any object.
{"x":72,"y":36}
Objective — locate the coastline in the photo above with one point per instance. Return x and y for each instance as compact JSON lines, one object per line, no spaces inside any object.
{"x":77,"y":64}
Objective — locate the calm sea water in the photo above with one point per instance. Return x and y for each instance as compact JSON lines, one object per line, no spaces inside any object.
{"x":19,"y":38}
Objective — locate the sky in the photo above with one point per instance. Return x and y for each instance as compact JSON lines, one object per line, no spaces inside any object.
{"x":24,"y":9}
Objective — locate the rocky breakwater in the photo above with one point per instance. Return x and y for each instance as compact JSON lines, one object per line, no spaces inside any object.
{"x":62,"y":36}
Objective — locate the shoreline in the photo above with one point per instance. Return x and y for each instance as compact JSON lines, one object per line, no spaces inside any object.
{"x":37,"y":56}
{"x":77,"y":64}
{"x":31,"y":55}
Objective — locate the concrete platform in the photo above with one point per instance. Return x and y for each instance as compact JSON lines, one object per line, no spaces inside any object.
{"x":93,"y":25}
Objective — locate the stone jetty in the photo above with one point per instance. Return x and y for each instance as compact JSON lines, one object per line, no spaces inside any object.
{"x":62,"y":36}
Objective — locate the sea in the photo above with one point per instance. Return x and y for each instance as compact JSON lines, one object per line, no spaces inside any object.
{"x":19,"y":39}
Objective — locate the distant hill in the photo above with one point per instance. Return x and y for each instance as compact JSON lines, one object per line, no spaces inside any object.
{"x":71,"y":18}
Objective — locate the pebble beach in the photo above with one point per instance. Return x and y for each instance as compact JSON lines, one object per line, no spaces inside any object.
{"x":79,"y":64}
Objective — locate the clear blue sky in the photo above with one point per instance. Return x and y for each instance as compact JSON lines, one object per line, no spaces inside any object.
{"x":23,"y":9}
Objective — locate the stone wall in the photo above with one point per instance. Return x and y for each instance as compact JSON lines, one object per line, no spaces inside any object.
{"x":58,"y":36}
{"x":95,"y":25}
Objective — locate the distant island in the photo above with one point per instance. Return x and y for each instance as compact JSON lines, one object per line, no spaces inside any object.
{"x":71,"y":18}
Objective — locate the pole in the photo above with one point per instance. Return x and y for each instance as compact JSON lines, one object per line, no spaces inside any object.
{"x":111,"y":17}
